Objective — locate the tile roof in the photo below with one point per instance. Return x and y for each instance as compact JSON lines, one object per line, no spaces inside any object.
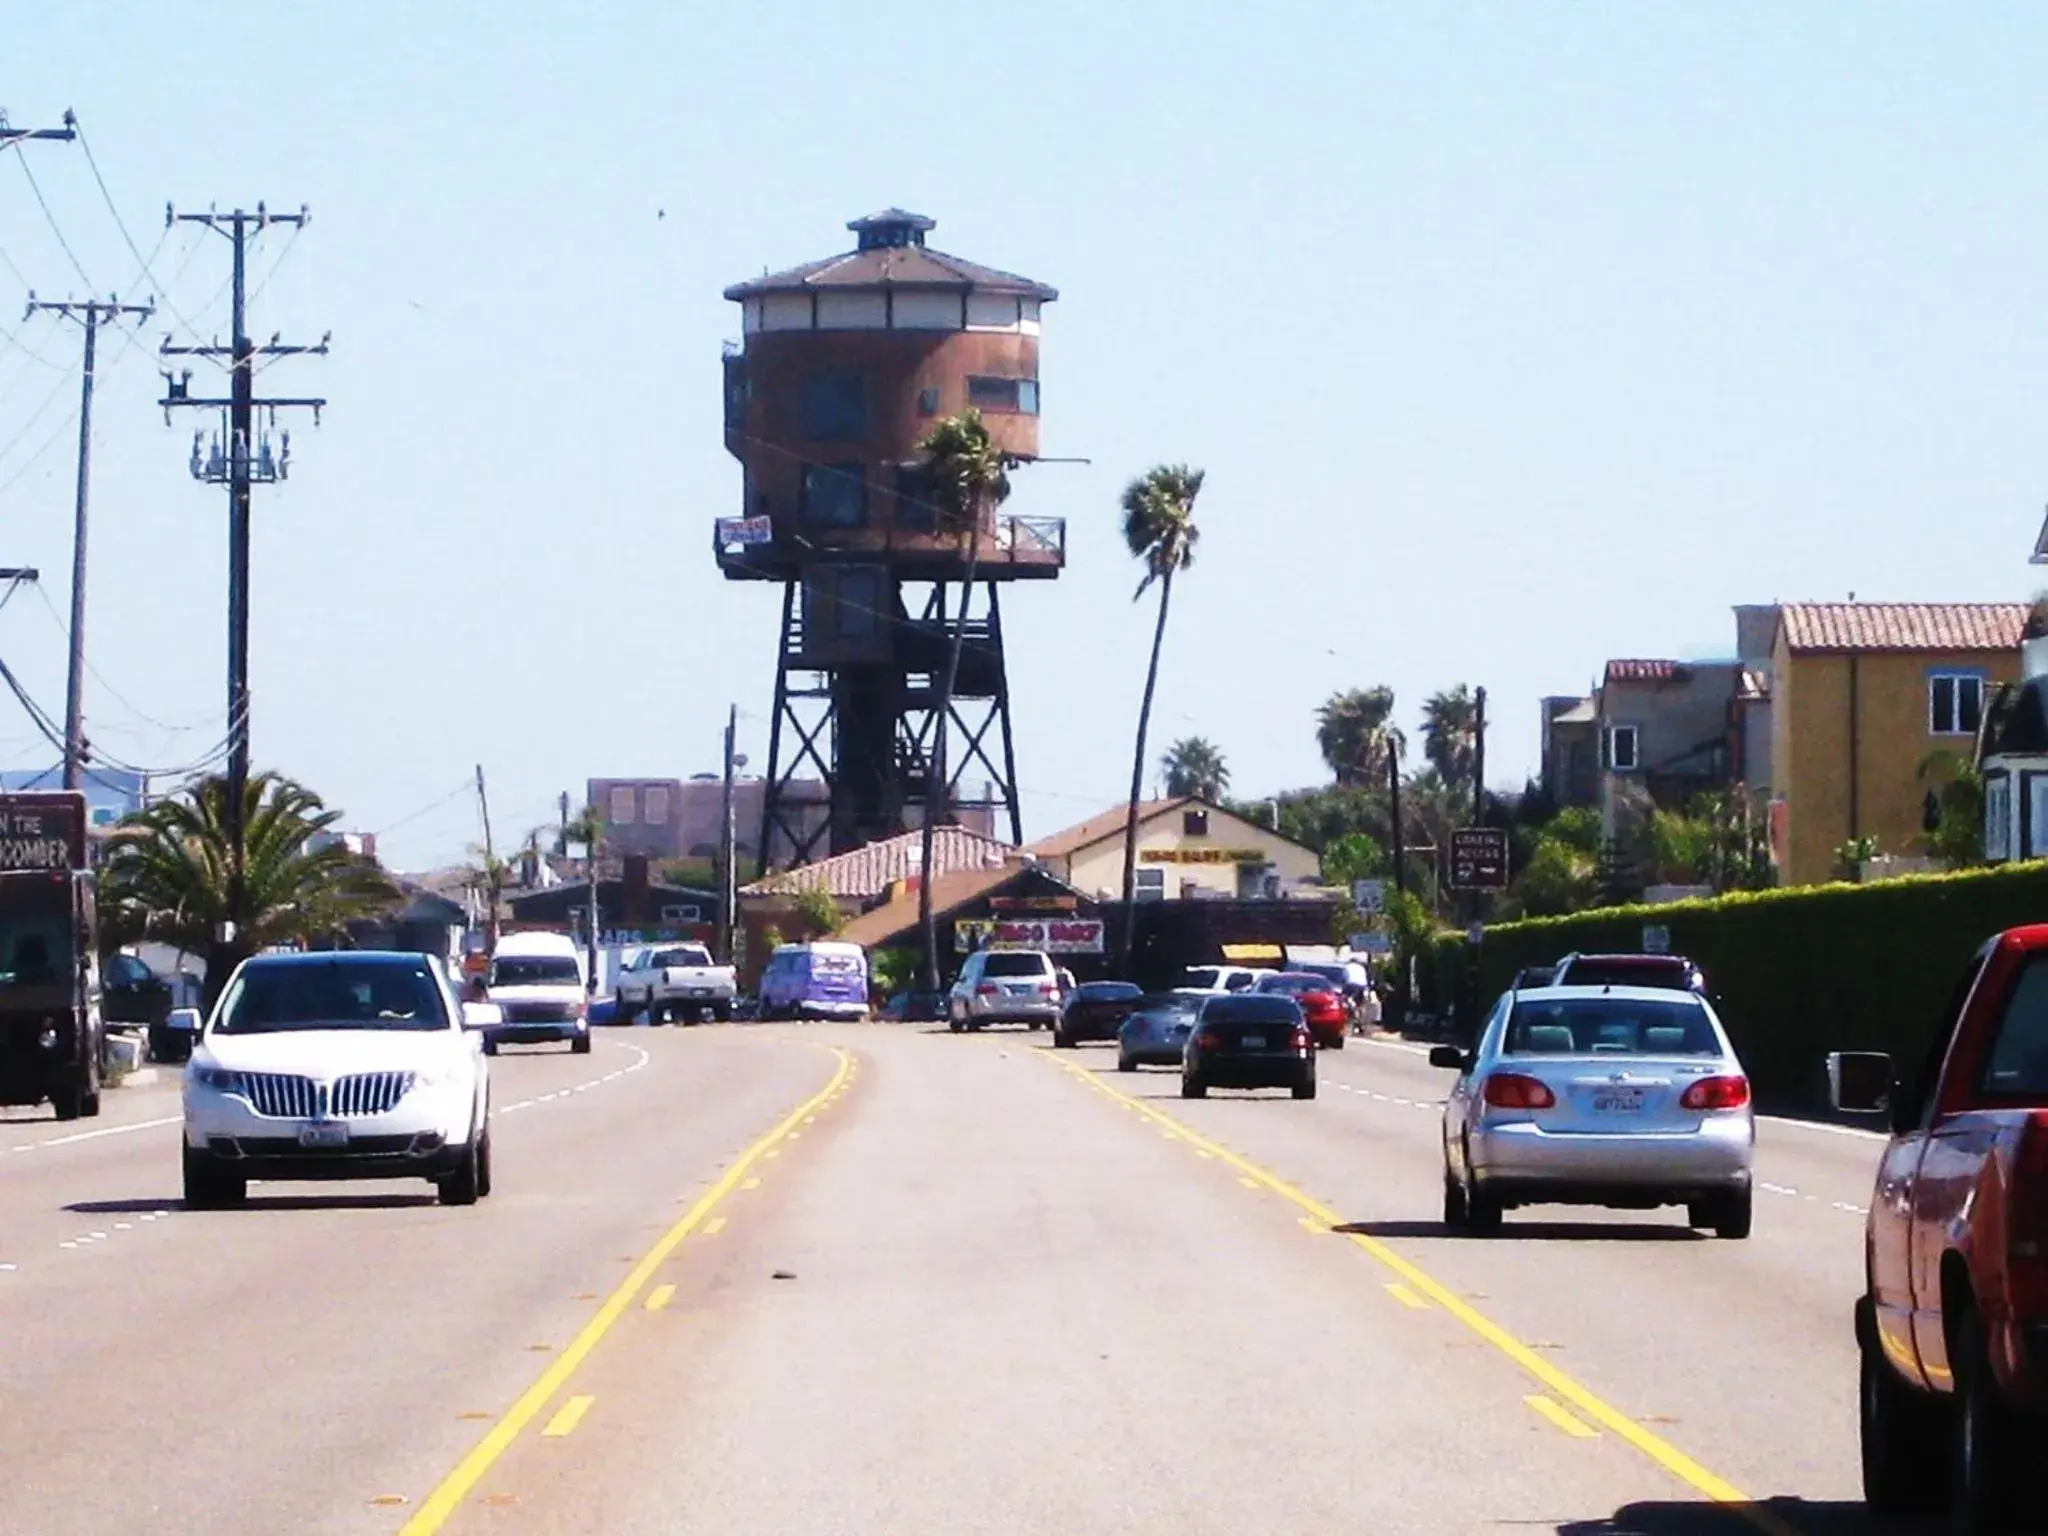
{"x":868,"y":872}
{"x":1902,"y":626}
{"x":901,"y":915}
{"x":1101,"y":827}
{"x":892,"y":266}
{"x":1638,"y":670}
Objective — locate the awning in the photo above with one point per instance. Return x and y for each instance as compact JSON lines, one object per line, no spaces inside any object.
{"x":1247,"y":952}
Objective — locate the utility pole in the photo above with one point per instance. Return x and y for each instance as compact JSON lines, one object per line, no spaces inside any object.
{"x":89,"y":315}
{"x":1479,"y":758}
{"x":12,"y":136}
{"x":1394,"y":817}
{"x":728,"y":876}
{"x":244,"y":460}
{"x":562,"y":834}
{"x":491,"y":882}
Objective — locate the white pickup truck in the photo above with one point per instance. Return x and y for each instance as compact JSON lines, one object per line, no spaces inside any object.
{"x":676,"y":981}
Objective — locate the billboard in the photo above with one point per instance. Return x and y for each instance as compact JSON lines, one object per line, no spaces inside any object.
{"x":1054,"y":935}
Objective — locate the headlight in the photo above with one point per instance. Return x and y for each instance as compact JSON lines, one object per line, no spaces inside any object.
{"x":439,"y":1077}
{"x":219,"y":1079}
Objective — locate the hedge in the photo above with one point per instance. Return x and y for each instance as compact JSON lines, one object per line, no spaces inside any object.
{"x":1795,"y":973}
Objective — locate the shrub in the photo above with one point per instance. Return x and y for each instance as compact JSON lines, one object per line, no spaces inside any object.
{"x":1798,"y":972}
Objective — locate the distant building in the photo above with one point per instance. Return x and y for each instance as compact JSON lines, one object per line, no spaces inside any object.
{"x":1187,"y":847}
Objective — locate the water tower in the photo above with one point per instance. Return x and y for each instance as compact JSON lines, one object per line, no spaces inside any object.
{"x":845,"y":365}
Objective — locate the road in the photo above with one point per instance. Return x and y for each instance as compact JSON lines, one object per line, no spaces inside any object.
{"x":850,"y":1279}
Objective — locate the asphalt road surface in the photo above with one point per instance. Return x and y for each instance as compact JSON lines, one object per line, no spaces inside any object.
{"x":885,"y":1279}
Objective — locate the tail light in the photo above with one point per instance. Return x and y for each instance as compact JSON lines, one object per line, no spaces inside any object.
{"x":1515,"y":1090}
{"x":1047,"y":989}
{"x":987,"y":989}
{"x":1303,"y":1040}
{"x":2026,"y":1217}
{"x":1716,"y":1093}
{"x":1207,"y":1042}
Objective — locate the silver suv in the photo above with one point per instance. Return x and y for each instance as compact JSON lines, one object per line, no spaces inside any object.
{"x":1005,"y":986}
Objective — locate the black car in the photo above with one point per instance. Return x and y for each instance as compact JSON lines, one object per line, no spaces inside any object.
{"x":1255,"y":1040}
{"x":1095,"y":1010}
{"x":915,"y":1008}
{"x":1673,"y":971}
{"x":133,"y":995}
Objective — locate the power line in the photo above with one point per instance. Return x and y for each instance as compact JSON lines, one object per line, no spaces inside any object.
{"x":203,"y":722}
{"x":55,"y":228}
{"x":92,"y":162}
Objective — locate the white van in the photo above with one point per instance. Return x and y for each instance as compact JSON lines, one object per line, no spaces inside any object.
{"x":539,"y":981}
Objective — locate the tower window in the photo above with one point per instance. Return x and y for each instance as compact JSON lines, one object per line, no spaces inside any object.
{"x":835,"y":496}
{"x":927,"y":402}
{"x":1016,"y":397}
{"x":834,"y":408}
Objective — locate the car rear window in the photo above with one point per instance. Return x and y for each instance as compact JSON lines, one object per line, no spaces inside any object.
{"x":1609,"y":1026}
{"x":2017,"y":1064}
{"x":1201,"y":976}
{"x":1626,"y":972}
{"x":1107,"y":991}
{"x":1169,"y":1002}
{"x":1294,"y":982}
{"x":1253,"y":1008}
{"x":1017,"y":963}
{"x":681,"y":957}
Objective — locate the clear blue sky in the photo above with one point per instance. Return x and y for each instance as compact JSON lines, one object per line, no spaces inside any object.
{"x":1512,"y":337}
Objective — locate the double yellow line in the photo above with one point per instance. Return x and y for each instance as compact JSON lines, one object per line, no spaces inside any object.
{"x":456,"y":1486}
{"x":1422,"y":1284}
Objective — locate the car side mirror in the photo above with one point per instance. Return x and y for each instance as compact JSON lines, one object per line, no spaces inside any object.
{"x":186,"y":1020}
{"x":1449,"y":1057}
{"x":1860,"y":1082}
{"x":482,"y":1015}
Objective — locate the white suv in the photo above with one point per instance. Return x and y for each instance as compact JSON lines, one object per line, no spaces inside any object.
{"x":341,"y":1065}
{"x":1005,"y":986}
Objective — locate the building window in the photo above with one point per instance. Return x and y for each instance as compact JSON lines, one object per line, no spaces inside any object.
{"x":621,"y":813}
{"x":928,"y":402}
{"x":834,"y":408}
{"x":835,"y":496}
{"x":1151,"y":885}
{"x":680,"y":915}
{"x":1955,"y":703}
{"x":2034,"y":822}
{"x":1623,"y":749}
{"x":1194,"y":823}
{"x":657,"y":805}
{"x":914,"y":510}
{"x":1016,"y":397}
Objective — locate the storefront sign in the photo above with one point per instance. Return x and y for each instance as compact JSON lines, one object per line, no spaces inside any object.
{"x":1204,"y":856}
{"x":746,"y":530}
{"x":1054,"y":935}
{"x":1032,"y":903}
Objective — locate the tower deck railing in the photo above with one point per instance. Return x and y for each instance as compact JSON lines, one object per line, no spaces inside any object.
{"x":1014,"y":545}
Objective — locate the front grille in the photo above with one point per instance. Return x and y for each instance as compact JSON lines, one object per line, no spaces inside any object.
{"x":357,"y":1147}
{"x":282,"y":1096}
{"x":369,"y":1093}
{"x":539,"y":1013}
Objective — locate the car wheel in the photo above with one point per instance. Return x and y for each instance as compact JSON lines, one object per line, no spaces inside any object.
{"x":1061,"y":1040}
{"x":1454,"y":1201}
{"x":1986,"y":1438}
{"x":956,"y":1026}
{"x":483,"y":1164}
{"x":722,"y":1013}
{"x":209,"y":1189}
{"x":490,"y":1046}
{"x":1193,"y":1087}
{"x":580,"y":1046}
{"x":1482,"y":1211}
{"x":1306,"y":1087}
{"x":465,"y":1184}
{"x":654,"y":1014}
{"x":1903,"y":1434}
{"x":67,"y":1103}
{"x":1125,"y":1064}
{"x":1338,"y":1043}
{"x":1733,"y":1214}
{"x":89,"y":1104}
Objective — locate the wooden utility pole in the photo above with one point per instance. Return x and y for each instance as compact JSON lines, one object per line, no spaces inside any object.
{"x":88,"y":314}
{"x":492,"y":882}
{"x":1479,"y":758}
{"x":244,"y":460}
{"x":728,"y":879}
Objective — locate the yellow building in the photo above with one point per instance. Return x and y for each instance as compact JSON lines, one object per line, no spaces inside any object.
{"x":1861,"y":695}
{"x":1186,"y":847}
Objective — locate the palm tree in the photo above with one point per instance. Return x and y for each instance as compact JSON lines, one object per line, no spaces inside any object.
{"x":1160,"y":531}
{"x":1193,"y":766}
{"x":969,"y":478}
{"x":1351,"y":730}
{"x":166,"y":875}
{"x":1450,"y":735}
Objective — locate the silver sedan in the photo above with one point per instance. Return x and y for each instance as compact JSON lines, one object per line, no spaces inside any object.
{"x":1629,"y":1097}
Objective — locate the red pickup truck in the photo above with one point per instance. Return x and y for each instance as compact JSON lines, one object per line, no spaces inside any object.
{"x":1953,"y":1325}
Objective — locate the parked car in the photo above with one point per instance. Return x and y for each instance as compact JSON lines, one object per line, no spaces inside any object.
{"x":132,"y":996}
{"x":676,"y":981}
{"x":1953,"y":1323}
{"x":1577,"y":970}
{"x":822,"y":980}
{"x":915,"y":1008}
{"x":340,"y":1065}
{"x":1321,"y":1004}
{"x":1629,"y":1097}
{"x":1217,"y":980}
{"x":1156,"y":1033}
{"x":1529,"y":977}
{"x":539,"y":986}
{"x":1095,"y":1010}
{"x":1005,"y":986}
{"x":1255,"y":1041}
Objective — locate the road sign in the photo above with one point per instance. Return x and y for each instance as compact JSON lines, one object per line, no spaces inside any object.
{"x":1479,"y":859}
{"x":1656,"y":939}
{"x":1369,"y":896}
{"x":1372,"y":943}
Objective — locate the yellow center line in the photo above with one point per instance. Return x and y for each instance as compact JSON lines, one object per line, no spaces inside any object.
{"x":445,"y":1499}
{"x":568,"y":1417}
{"x":1584,"y":1399}
{"x":1558,"y":1416}
{"x":714,"y":1226}
{"x":660,"y":1297}
{"x":1406,"y":1297}
{"x":750,"y":1184}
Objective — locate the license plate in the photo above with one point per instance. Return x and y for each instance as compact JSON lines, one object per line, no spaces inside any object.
{"x":1251,"y":1042}
{"x":323,"y":1136}
{"x":1618,"y":1101}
